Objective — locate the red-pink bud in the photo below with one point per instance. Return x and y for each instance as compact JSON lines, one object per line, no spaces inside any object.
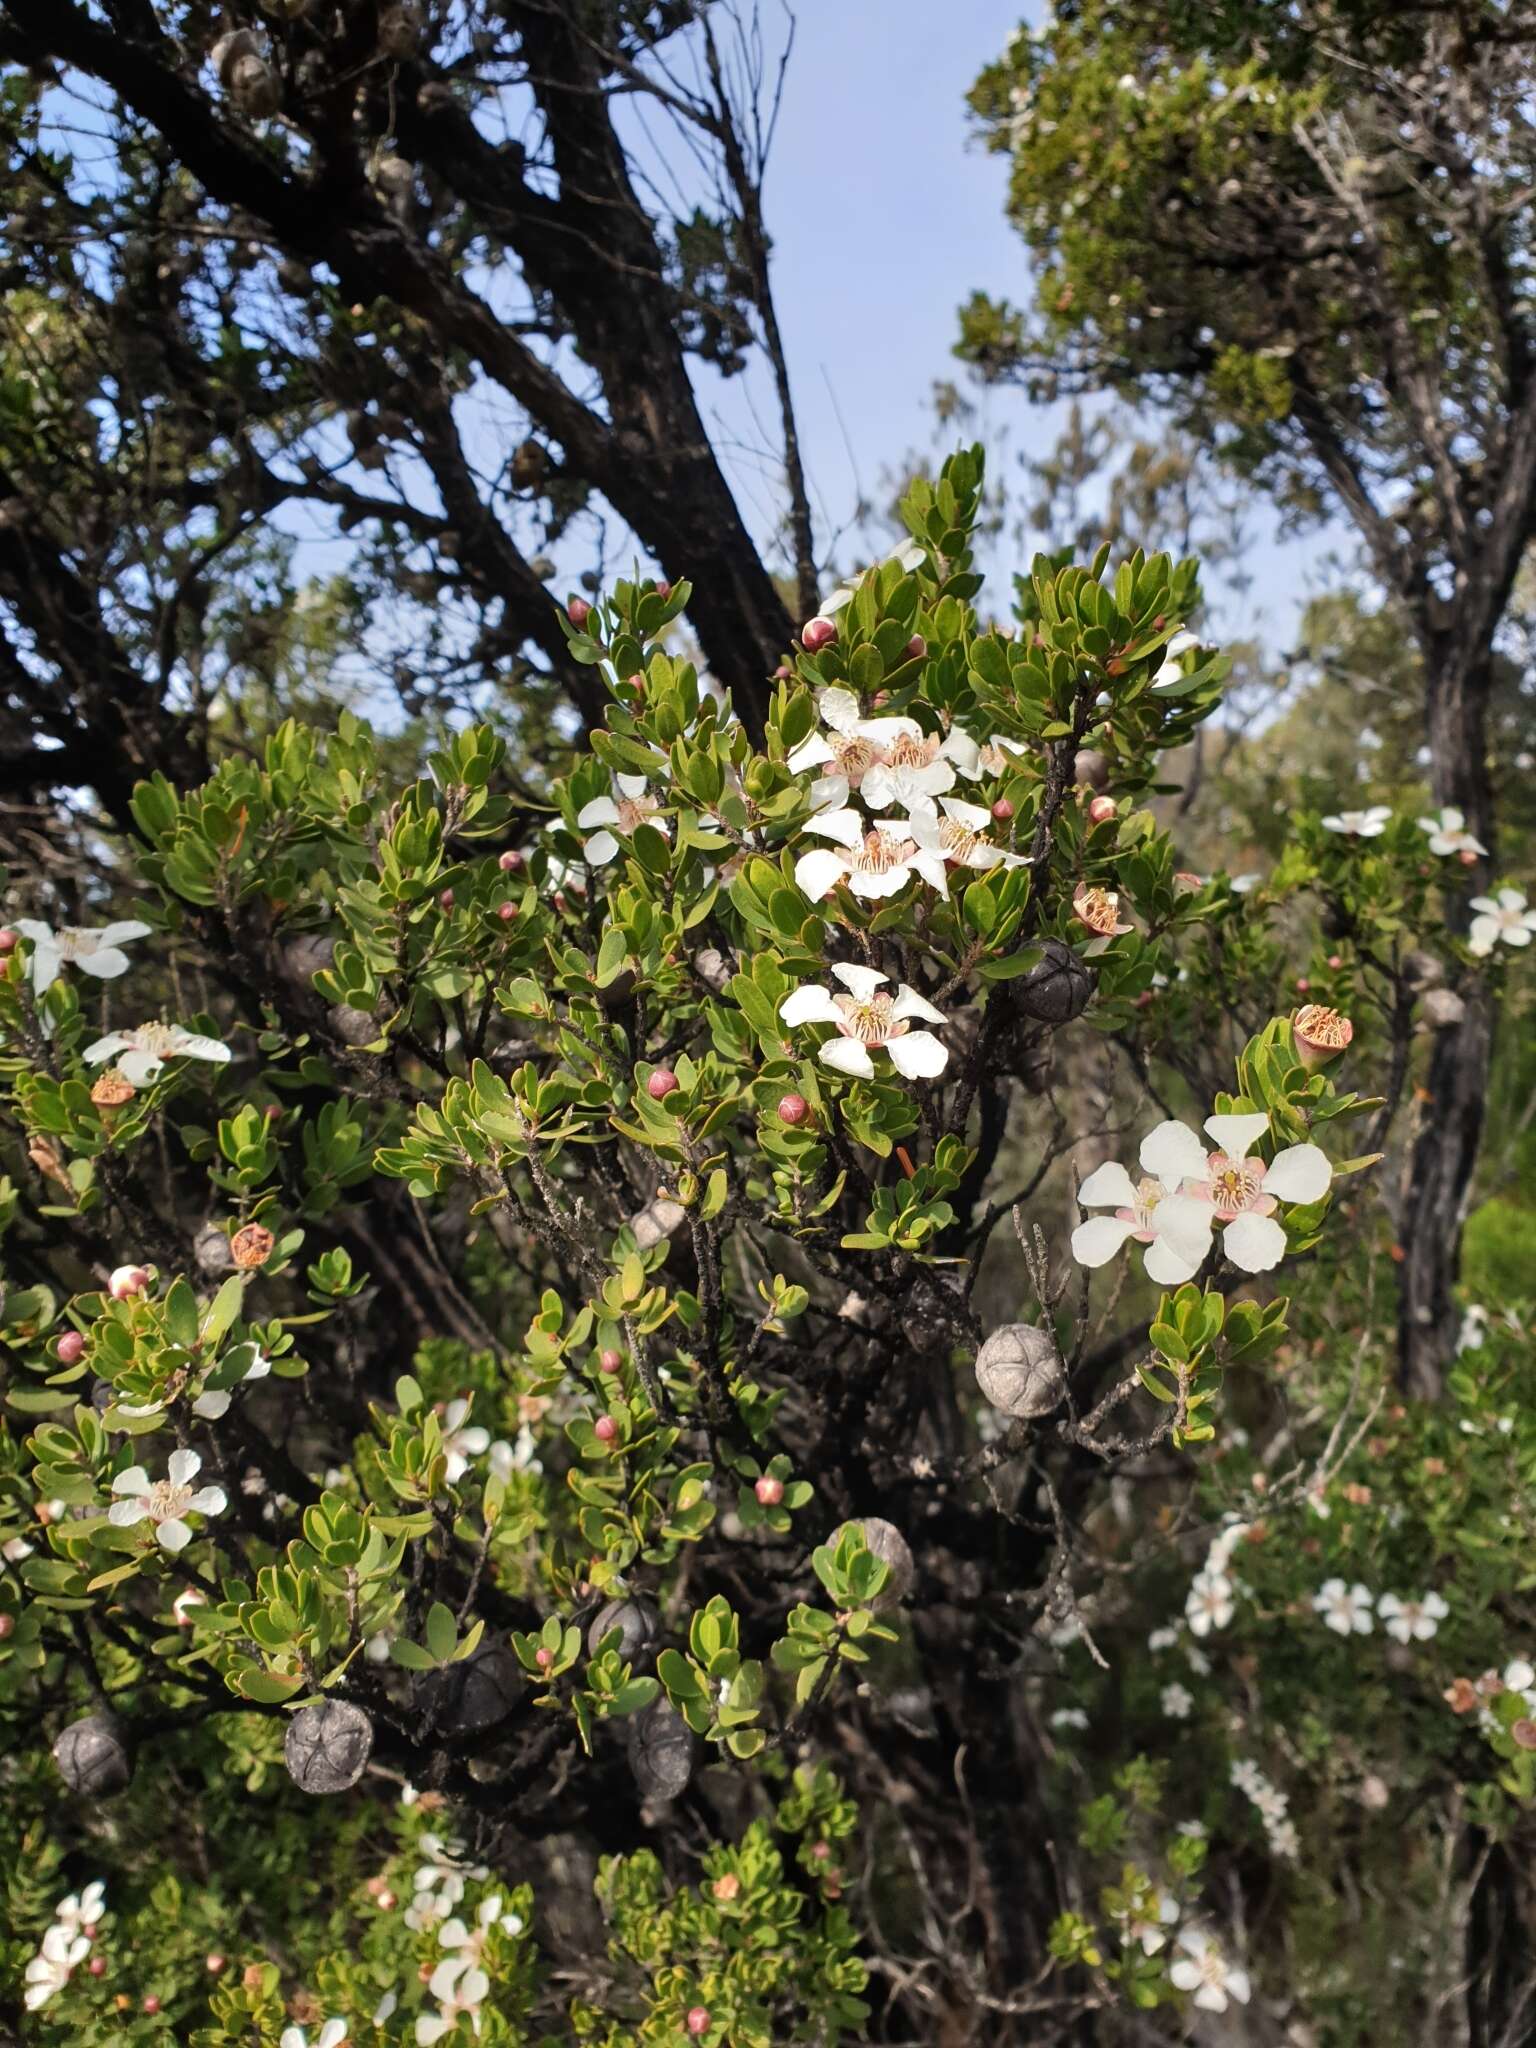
{"x":661,"y":1084}
{"x":1302,"y":984}
{"x":97,"y":1966}
{"x":127,"y":1281}
{"x":769,"y":1491}
{"x":1144,"y":1000}
{"x":213,"y":1964}
{"x":1002,"y":810}
{"x":698,"y":2020}
{"x":609,"y":1361}
{"x":1467,"y":857}
{"x":70,"y":1348}
{"x":7,"y":940}
{"x":605,"y":1429}
{"x":386,"y":1902}
{"x":151,"y":2004}
{"x":510,"y":861}
{"x":506,"y":912}
{"x":1101,"y":810}
{"x":1335,"y":961}
{"x":578,"y":611}
{"x":7,"y":1626}
{"x":662,"y":587}
{"x":917,"y":647}
{"x":821,"y":1851}
{"x":793,"y":1109}
{"x":782,"y":673}
{"x":446,"y":899}
{"x":816,"y":634}
{"x":543,"y":1657}
{"x":272,"y":1112}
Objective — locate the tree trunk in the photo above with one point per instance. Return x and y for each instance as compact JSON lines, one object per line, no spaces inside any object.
{"x":1445,"y":1152}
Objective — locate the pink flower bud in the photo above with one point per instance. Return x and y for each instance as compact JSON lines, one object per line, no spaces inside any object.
{"x":506,"y":912}
{"x":127,"y":1281}
{"x":7,"y":1626}
{"x":605,"y":1429}
{"x":510,"y":862}
{"x":386,"y":1902}
{"x":816,"y":634}
{"x":821,"y":1851}
{"x":698,"y":2020}
{"x":793,"y":1109}
{"x":543,"y":1657}
{"x":782,"y":673}
{"x":1302,"y":984}
{"x":1002,"y":810}
{"x":446,"y":899}
{"x":1335,"y":961}
{"x":1145,"y":999}
{"x":7,"y":941}
{"x":661,"y":1084}
{"x":609,"y":1361}
{"x":578,"y":611}
{"x":213,"y":1964}
{"x":769,"y":1491}
{"x":916,"y":647}
{"x":1101,"y":810}
{"x":151,"y":2004}
{"x":1467,"y":857}
{"x":662,"y":587}
{"x":70,"y":1347}
{"x":97,"y":1966}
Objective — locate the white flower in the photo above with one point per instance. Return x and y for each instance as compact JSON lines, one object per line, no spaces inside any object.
{"x":873,"y":860}
{"x":1162,"y":1639}
{"x":459,"y":1983}
{"x":461,"y":1443}
{"x":521,"y":1456}
{"x":1141,"y":1213}
{"x":887,"y":760}
{"x":145,"y":1051}
{"x":1171,"y":674}
{"x":15,"y":1548}
{"x":1177,"y":1702}
{"x":867,"y":1017}
{"x":1219,"y":1556}
{"x":1448,"y":833}
{"x":1502,"y":917}
{"x":385,"y":2008}
{"x":1345,"y":1609}
{"x":629,"y":807}
{"x":82,"y":1909}
{"x":331,"y":2035}
{"x":1152,"y":1933}
{"x":60,"y":1955}
{"x":1228,"y":1188}
{"x":213,"y":1403}
{"x":1204,"y":1970}
{"x":959,"y":836}
{"x":98,"y":952}
{"x":1209,"y":1603}
{"x":1412,"y":1620}
{"x":1069,"y":1717}
{"x":910,"y":553}
{"x":1360,"y":824}
{"x":165,"y":1501}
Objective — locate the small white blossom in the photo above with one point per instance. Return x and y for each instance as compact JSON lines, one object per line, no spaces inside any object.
{"x":1412,"y":1620}
{"x":1209,"y":1604}
{"x":98,"y":952}
{"x":627,"y":809}
{"x":1502,"y":919}
{"x":461,"y":1442}
{"x":61,"y":1954}
{"x":1069,"y":1717}
{"x":868,"y":1018}
{"x":1345,"y":1609}
{"x":1150,"y":1931}
{"x":1205,"y":1971}
{"x":165,"y":1502}
{"x":142,"y":1053}
{"x":1360,"y":824}
{"x":870,"y":859}
{"x":1178,"y":1702}
{"x":331,"y":2035}
{"x":1448,"y":832}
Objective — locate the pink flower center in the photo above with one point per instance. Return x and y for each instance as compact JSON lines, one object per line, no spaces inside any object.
{"x":854,"y":756}
{"x":1099,"y":909}
{"x":958,"y":841}
{"x":880,"y":852}
{"x":911,"y":750}
{"x":1148,"y":1194}
{"x":634,"y":810}
{"x":1235,"y":1188}
{"x":871,"y":1022}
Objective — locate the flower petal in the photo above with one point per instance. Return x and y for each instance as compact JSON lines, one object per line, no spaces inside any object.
{"x":811,"y":753}
{"x":208,"y":1500}
{"x":1095,"y":1242}
{"x":1174,"y":1153}
{"x":182,"y":1467}
{"x":173,"y":1534}
{"x":1234,"y":1135}
{"x":917,"y":1054}
{"x":1256,"y":1244}
{"x":1301,"y":1173}
{"x":809,"y":1004}
{"x":601,"y":811}
{"x":848,"y":1056}
{"x":860,"y":982}
{"x":124,"y":1513}
{"x":120,"y":933}
{"x":600,"y":849}
{"x":106,"y":963}
{"x":1184,"y":1226}
{"x":818,"y":872}
{"x":139,"y":1068}
{"x":838,"y":708}
{"x":1168,"y":1266}
{"x":845,"y":826}
{"x":1108,"y":1186}
{"x":134,"y":1480}
{"x":909,"y":1003}
{"x":104,"y":1048}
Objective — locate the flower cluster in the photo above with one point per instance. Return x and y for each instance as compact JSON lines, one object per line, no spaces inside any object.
{"x":1349,"y":1610}
{"x":65,"y":1946}
{"x":1273,"y":1806}
{"x":1186,"y":1191}
{"x":461,"y":1983}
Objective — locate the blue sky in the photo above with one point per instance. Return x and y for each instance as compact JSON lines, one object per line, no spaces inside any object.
{"x":886,"y":214}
